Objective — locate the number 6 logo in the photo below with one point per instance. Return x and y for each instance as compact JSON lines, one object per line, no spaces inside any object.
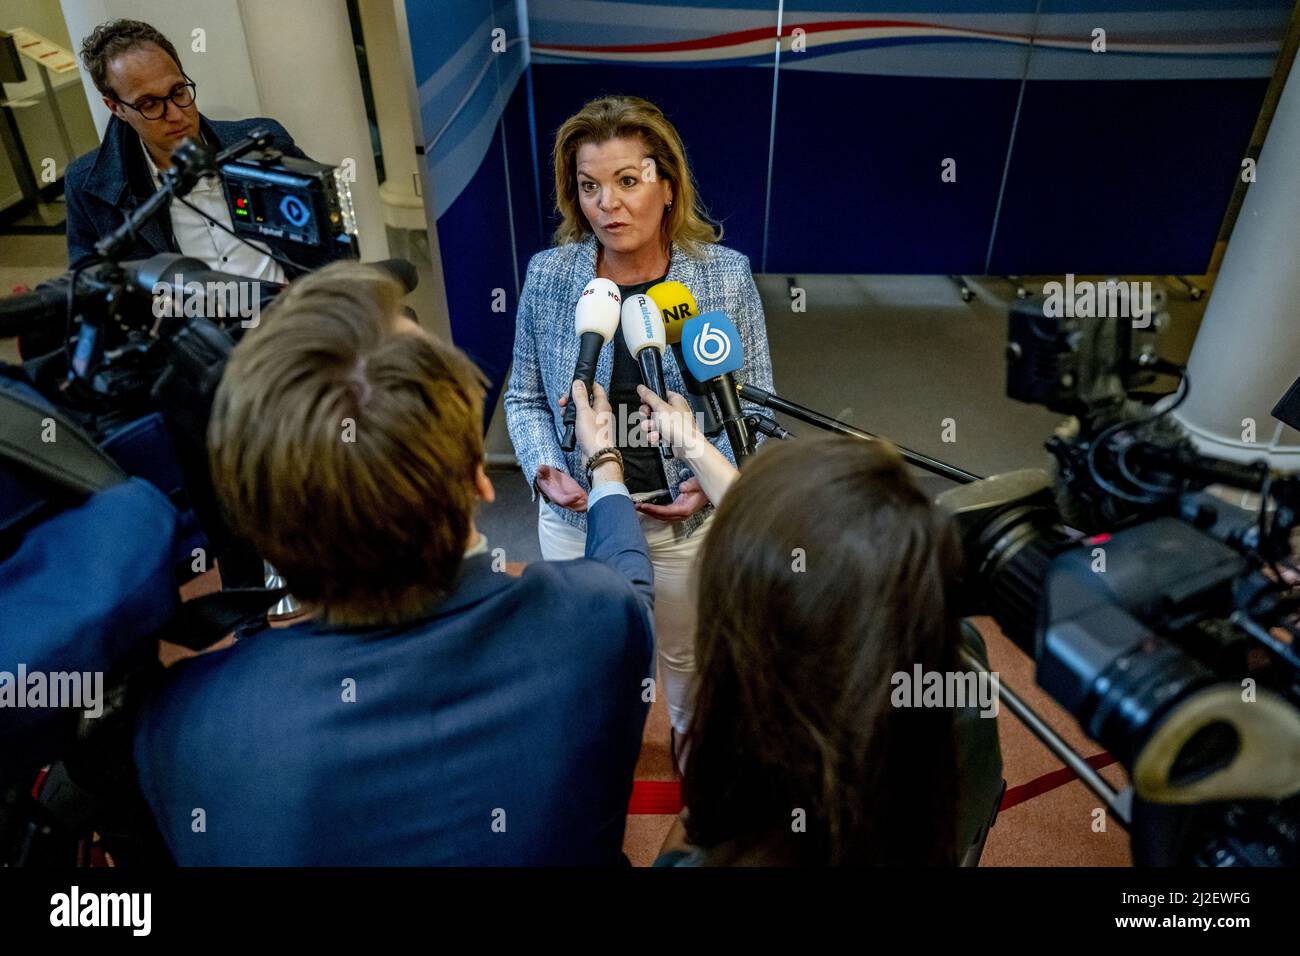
{"x":711,"y":347}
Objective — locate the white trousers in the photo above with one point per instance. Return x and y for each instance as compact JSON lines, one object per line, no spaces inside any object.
{"x":672,"y":555}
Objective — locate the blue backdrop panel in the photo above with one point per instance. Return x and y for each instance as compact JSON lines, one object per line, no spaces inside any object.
{"x":474,"y":235}
{"x":1068,"y":160}
{"x":1122,"y":177}
{"x":856,"y":184}
{"x":479,"y":166}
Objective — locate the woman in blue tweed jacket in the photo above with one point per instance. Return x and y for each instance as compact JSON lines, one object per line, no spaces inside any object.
{"x":629,"y":214}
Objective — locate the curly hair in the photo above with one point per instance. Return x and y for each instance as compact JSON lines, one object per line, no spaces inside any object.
{"x":111,"y":39}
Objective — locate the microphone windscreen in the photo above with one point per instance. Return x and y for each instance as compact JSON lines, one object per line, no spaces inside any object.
{"x":401,"y":270}
{"x":643,"y":326}
{"x":598,"y":309}
{"x":676,"y":305}
{"x":711,"y":346}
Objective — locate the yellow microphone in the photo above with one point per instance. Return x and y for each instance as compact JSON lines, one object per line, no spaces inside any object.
{"x":677,"y":305}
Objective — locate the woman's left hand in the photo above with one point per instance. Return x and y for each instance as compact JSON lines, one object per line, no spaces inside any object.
{"x":690,"y":499}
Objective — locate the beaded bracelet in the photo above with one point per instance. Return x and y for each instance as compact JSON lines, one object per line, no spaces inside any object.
{"x":608,"y":453}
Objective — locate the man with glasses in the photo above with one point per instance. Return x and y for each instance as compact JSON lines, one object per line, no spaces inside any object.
{"x":153,"y":104}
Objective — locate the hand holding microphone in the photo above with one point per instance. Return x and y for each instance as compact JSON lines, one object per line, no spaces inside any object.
{"x":595,"y":418}
{"x":673,"y":421}
{"x":643,"y":330}
{"x":595,"y":319}
{"x":713,"y":351}
{"x":593,"y":431}
{"x":670,"y":422}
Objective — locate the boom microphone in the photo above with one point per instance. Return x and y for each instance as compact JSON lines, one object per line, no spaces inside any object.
{"x":677,"y":305}
{"x":595,"y":319}
{"x":713,"y":351}
{"x":643,"y":330}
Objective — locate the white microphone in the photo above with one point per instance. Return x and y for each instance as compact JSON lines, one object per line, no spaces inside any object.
{"x":595,"y":319}
{"x":643,"y":330}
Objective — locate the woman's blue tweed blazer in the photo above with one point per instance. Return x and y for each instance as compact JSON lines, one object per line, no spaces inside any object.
{"x":546,"y":351}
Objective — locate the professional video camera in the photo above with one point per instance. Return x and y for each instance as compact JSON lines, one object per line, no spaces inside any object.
{"x":1163,"y":616}
{"x":99,"y":338}
{"x":130,"y":354}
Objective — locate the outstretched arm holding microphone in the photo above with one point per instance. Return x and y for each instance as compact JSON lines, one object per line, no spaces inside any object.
{"x":673,"y":422}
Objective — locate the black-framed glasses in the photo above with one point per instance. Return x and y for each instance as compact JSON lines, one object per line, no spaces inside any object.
{"x":153,"y":107}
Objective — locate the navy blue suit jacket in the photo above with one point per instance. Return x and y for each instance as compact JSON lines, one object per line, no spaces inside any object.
{"x":501,"y":730}
{"x":104,"y":186}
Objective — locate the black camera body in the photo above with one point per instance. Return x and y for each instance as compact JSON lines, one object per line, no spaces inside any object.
{"x":1150,"y":606}
{"x":272,"y":196}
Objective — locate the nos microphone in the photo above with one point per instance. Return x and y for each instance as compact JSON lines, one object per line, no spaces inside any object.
{"x":643,"y":330}
{"x":676,"y":305}
{"x":713,"y":351}
{"x":595,"y":319}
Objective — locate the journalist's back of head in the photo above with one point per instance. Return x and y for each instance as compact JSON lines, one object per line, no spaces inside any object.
{"x":436,"y":710}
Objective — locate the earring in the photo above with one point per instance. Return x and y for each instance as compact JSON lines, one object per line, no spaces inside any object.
{"x":668,"y":206}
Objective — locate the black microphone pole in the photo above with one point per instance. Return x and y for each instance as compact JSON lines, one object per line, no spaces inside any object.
{"x":765,"y":425}
{"x":760,"y":396}
{"x":733,"y":419}
{"x":651,"y":362}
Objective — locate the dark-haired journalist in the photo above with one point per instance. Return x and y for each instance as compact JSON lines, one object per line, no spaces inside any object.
{"x":797,"y":754}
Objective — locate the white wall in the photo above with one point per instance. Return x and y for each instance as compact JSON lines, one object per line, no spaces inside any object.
{"x":224,"y":75}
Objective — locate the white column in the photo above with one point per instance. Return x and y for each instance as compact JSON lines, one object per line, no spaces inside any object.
{"x":392,"y":80}
{"x":305,"y":68}
{"x":403,"y":207}
{"x":1247,"y":352}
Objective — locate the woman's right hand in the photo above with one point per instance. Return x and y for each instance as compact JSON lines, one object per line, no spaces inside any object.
{"x":560,"y":488}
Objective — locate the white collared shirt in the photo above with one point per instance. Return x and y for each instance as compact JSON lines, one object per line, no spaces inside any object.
{"x":197,"y":237}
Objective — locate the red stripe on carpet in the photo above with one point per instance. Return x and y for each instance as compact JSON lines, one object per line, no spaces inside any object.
{"x":655,"y":796}
{"x":665,"y":796}
{"x":1049,"y":781}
